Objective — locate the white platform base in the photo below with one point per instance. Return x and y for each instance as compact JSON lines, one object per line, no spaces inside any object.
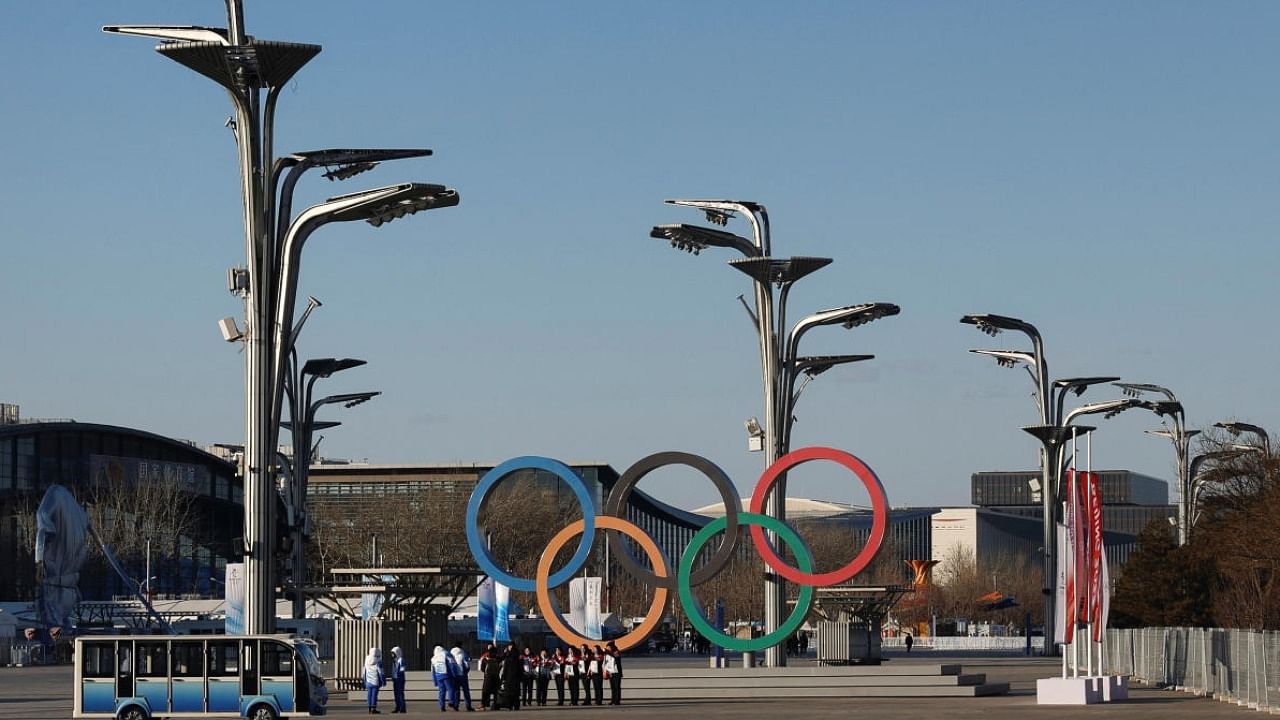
{"x":1069,"y":691}
{"x":1115,"y":687}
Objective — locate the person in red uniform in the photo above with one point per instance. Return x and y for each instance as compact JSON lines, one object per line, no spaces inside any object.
{"x":571,"y":674}
{"x":613,"y":672}
{"x":557,"y":674}
{"x":597,"y":673}
{"x":586,"y":659}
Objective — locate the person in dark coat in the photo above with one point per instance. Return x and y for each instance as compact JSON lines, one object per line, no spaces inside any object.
{"x":558,"y":674}
{"x":585,"y":660}
{"x":613,"y":672}
{"x":529,"y":660}
{"x":571,"y":673}
{"x":597,"y":675}
{"x":512,"y":678}
{"x":490,"y":662}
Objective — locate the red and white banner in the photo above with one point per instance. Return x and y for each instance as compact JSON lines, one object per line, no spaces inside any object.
{"x":1093,"y":488}
{"x":1071,"y":558}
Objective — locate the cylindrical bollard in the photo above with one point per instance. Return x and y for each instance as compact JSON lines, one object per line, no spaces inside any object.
{"x":748,"y":659}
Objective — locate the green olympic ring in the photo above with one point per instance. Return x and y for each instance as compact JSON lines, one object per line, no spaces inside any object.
{"x":793,"y":622}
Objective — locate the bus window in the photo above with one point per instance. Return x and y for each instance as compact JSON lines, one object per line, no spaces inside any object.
{"x":224,"y":675}
{"x":152,"y":660}
{"x":224,"y":659}
{"x":188,"y":659}
{"x":99,"y":659}
{"x":152,"y":676}
{"x":187,"y":685}
{"x":276,"y":673}
{"x":277,"y":660}
{"x":98,"y":676}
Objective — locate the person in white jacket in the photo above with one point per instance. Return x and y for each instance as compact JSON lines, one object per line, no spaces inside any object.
{"x":374,"y":678}
{"x":463,"y":661}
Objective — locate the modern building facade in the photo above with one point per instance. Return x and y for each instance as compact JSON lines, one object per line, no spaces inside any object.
{"x":1129,"y":500}
{"x":104,"y":466}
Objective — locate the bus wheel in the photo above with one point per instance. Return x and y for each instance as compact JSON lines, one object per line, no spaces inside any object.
{"x":133,"y":712}
{"x":262,"y":712}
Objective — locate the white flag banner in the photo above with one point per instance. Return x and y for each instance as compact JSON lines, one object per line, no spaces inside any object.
{"x":234,"y":587}
{"x":1065,"y":562}
{"x":593,"y":630}
{"x":578,"y":605}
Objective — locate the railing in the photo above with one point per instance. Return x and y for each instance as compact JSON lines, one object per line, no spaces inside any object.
{"x":1241,"y":666}
{"x":961,"y":643}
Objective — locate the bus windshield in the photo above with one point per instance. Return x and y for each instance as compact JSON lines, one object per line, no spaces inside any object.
{"x":309,"y":659}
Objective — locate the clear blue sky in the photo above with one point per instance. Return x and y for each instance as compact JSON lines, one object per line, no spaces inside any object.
{"x":1107,"y":171}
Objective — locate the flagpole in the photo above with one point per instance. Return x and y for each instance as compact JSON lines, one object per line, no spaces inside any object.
{"x":1088,"y":597}
{"x":1073,"y":491}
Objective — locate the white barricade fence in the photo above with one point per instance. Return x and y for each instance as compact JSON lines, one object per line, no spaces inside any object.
{"x":962,"y":643}
{"x":1241,"y":666}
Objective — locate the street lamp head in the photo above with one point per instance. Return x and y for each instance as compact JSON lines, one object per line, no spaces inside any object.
{"x":850,"y":316}
{"x":695,"y":239}
{"x":343,"y":163}
{"x":994,"y":324}
{"x":348,"y":399}
{"x":324,"y":367}
{"x":815,"y":365}
{"x":780,"y":271}
{"x":1235,"y":428}
{"x":172,"y":33}
{"x":1080,"y":384}
{"x":1137,"y":389}
{"x":411,"y":198}
{"x":1108,"y":409}
{"x":1008,"y":358}
{"x":721,"y":208}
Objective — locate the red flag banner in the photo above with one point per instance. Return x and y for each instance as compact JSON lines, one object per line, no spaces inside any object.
{"x":1071,"y":559}
{"x":1096,"y":548}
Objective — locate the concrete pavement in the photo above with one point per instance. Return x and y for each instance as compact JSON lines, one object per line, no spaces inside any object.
{"x":40,"y":693}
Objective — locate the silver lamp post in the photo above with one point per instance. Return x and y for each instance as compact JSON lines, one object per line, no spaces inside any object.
{"x":1236,"y":428}
{"x":254,"y":71}
{"x":1180,"y":437}
{"x":301,"y":426}
{"x":1200,"y":480}
{"x":1049,"y":432}
{"x":780,"y":365}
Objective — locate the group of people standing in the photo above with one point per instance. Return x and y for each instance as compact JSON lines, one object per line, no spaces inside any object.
{"x":448,"y":671}
{"x":513,"y":678}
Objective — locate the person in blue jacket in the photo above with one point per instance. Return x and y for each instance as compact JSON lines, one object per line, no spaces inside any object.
{"x":444,"y":675}
{"x":397,"y":678}
{"x":463,"y":661}
{"x":374,"y":678}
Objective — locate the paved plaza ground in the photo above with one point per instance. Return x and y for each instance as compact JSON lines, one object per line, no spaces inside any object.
{"x":37,"y":693}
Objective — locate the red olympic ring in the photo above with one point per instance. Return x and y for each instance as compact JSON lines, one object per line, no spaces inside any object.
{"x":879,"y":506}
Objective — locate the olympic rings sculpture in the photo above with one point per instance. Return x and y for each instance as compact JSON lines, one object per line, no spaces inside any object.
{"x":686,"y":576}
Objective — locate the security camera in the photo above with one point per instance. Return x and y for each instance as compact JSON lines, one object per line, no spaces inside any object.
{"x":230,"y":332}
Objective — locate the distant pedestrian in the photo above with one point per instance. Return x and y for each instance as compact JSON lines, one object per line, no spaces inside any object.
{"x":909,"y":641}
{"x":490,"y":669}
{"x":374,"y":678}
{"x":463,"y":661}
{"x":397,"y":678}
{"x":571,"y":673}
{"x":586,"y":659}
{"x":613,"y":672}
{"x":597,"y":675}
{"x":444,"y":678}
{"x":542,"y":666}
{"x":557,"y":674}
{"x":512,"y":678}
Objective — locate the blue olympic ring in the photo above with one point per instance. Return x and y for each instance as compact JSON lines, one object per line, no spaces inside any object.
{"x":480,"y":551}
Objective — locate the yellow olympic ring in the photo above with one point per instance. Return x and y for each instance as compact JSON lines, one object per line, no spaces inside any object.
{"x":547,"y":604}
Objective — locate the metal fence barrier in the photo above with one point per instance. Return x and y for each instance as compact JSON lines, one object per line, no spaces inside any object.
{"x":1240,"y":666}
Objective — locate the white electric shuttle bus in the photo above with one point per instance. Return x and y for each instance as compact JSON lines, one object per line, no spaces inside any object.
{"x":140,"y":677}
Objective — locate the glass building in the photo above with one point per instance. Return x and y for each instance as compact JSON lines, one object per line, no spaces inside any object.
{"x":101,"y":463}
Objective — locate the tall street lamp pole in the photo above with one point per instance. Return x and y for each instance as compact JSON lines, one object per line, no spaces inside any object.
{"x":780,"y":364}
{"x":1180,"y":437}
{"x":1051,"y":436}
{"x":254,"y":71}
